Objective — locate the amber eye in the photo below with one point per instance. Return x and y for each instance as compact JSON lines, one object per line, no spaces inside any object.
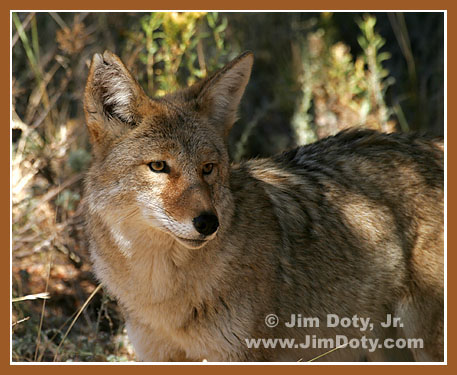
{"x":207,"y":168}
{"x":158,"y":166}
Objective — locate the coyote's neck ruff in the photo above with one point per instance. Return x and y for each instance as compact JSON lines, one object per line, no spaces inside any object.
{"x":198,"y":252}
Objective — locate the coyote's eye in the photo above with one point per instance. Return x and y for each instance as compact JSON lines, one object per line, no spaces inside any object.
{"x":207,"y":168}
{"x":158,"y":166}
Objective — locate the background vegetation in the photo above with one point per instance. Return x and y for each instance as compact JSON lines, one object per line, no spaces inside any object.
{"x":314,"y":75}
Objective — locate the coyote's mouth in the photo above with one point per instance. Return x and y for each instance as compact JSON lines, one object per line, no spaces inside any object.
{"x":192,"y":244}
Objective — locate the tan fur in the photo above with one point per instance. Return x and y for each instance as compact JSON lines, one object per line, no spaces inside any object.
{"x":352,"y":224}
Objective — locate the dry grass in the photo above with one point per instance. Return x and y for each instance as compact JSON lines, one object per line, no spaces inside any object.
{"x":58,"y":311}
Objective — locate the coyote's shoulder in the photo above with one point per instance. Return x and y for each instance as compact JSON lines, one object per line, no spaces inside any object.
{"x":198,"y":252}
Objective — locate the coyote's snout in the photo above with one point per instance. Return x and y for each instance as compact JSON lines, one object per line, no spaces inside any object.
{"x":200,"y":254}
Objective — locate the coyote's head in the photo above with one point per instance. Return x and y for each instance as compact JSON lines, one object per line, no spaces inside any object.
{"x":162,"y":162}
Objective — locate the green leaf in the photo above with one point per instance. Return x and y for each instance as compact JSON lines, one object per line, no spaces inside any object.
{"x":222,"y":26}
{"x":384,"y":56}
{"x":211,"y":20}
{"x":362,"y":42}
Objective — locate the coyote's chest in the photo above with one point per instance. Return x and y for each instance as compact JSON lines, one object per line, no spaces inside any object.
{"x":154,"y":287}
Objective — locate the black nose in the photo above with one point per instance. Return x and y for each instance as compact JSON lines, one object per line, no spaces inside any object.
{"x":206,"y":224}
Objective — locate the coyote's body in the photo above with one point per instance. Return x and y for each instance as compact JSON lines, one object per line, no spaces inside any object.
{"x":198,"y":252}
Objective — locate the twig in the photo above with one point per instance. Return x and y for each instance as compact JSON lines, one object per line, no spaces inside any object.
{"x":39,"y":92}
{"x":397,"y":20}
{"x":38,"y":340}
{"x":48,"y":196}
{"x":20,"y":321}
{"x":75,"y":319}
{"x":57,"y":190}
{"x":32,"y":297}
{"x":25,"y":26}
{"x":46,"y":346}
{"x":201,"y":57}
{"x":52,"y":103}
{"x":330,"y":351}
{"x":28,"y":50}
{"x":58,"y":19}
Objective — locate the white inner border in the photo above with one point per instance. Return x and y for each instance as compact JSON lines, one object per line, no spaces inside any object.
{"x":247,"y":363}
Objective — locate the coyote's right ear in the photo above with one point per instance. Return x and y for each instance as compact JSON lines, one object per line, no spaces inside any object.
{"x":113,"y":99}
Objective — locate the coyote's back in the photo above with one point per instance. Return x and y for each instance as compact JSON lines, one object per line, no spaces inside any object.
{"x":219,"y":262}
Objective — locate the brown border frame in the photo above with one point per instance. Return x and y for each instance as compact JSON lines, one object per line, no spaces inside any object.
{"x":5,"y":35}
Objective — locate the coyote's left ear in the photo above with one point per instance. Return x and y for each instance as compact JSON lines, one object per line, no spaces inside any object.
{"x":220,"y":95}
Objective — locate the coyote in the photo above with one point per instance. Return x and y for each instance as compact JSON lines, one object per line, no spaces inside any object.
{"x":205,"y":257}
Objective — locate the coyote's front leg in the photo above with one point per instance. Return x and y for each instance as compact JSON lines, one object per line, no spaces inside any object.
{"x":151,"y":348}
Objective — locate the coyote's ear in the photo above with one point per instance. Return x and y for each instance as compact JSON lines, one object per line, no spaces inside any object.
{"x":113,"y":99}
{"x":220,"y":95}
